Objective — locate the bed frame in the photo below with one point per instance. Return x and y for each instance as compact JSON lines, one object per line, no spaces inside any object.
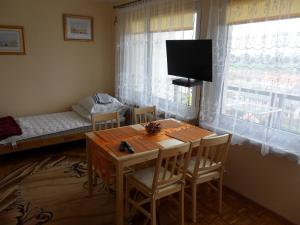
{"x":40,"y":142}
{"x":46,"y":141}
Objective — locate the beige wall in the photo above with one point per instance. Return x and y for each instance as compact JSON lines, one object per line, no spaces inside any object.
{"x":271,"y":181}
{"x":54,"y":74}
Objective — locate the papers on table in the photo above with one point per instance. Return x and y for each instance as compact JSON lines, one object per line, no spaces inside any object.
{"x":170,"y":142}
{"x":137,"y":127}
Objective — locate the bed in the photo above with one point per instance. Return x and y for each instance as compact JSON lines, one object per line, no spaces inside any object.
{"x":47,"y":129}
{"x":55,"y":128}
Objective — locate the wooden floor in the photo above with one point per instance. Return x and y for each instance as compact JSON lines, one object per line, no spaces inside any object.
{"x":52,"y":188}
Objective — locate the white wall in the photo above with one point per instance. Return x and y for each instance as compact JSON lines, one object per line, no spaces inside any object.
{"x":54,"y":74}
{"x":271,"y":181}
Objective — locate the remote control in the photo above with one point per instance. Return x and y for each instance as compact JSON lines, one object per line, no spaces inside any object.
{"x":125,"y":146}
{"x":129,"y":148}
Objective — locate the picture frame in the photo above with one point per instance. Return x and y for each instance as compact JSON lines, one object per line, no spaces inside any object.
{"x":78,"y":28}
{"x":12,"y":40}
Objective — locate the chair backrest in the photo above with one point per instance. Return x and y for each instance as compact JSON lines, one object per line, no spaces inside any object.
{"x":105,"y":121}
{"x":171,"y":165}
{"x":144,"y":115}
{"x":211,"y":153}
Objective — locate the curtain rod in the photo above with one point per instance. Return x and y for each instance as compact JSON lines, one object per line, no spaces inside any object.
{"x":126,"y":4}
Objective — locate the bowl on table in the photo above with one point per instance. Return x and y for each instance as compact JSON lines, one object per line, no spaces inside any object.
{"x":153,"y":128}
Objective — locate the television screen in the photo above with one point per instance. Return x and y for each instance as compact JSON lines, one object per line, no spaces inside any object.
{"x":190,"y":59}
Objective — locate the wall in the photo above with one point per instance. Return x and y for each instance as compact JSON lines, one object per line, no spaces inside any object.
{"x":54,"y":74}
{"x":271,"y":181}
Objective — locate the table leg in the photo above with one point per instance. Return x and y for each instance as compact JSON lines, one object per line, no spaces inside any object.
{"x":90,"y":170}
{"x":119,"y":195}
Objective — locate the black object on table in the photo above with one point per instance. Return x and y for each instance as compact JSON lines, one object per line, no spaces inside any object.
{"x":125,"y":146}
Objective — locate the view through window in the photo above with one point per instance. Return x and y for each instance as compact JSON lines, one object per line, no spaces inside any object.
{"x":262,"y":82}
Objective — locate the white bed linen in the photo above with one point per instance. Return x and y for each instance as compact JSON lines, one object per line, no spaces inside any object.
{"x":82,"y":112}
{"x":40,"y":125}
{"x":85,"y":114}
{"x":48,"y":124}
{"x":89,"y":105}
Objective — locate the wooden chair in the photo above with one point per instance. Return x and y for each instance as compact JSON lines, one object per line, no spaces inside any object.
{"x":105,"y":121}
{"x":144,"y":115}
{"x":157,"y":182}
{"x":102,"y":166}
{"x":207,"y":165}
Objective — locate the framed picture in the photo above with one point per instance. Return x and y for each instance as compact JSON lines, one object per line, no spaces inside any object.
{"x":78,"y":28}
{"x":12,"y":40}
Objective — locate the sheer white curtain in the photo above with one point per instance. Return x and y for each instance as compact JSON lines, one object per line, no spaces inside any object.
{"x":141,"y":63}
{"x":256,"y":89}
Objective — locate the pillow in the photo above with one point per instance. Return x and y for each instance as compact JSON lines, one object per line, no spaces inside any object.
{"x":115,"y":106}
{"x":81,"y":111}
{"x":102,"y":98}
{"x":9,"y":127}
{"x":87,"y":103}
{"x":91,"y":106}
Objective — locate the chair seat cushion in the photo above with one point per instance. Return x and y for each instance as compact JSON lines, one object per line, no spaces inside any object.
{"x":145,"y":177}
{"x":208,"y":167}
{"x":206,"y":173}
{"x":205,"y":177}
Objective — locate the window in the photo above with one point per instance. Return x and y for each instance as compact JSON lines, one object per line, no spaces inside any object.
{"x":142,"y":75}
{"x":262,"y":80}
{"x":161,"y":80}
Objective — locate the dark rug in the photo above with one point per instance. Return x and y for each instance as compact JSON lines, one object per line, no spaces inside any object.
{"x":53,"y":191}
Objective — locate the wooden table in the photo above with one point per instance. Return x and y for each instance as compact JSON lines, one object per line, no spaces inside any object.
{"x":106,"y":143}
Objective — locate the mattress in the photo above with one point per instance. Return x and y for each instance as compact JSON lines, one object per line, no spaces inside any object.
{"x":49,"y":124}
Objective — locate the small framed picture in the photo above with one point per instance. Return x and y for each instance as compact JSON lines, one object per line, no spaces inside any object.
{"x":12,"y":40}
{"x":78,"y":27}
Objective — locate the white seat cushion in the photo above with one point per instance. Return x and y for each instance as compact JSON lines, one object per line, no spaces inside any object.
{"x":145,"y":176}
{"x":208,"y":167}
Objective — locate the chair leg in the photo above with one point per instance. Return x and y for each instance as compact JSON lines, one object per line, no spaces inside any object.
{"x":157,"y":211}
{"x":220,"y":195}
{"x":94,"y":177}
{"x":194,"y":202}
{"x":208,"y":188}
{"x":146,"y":222}
{"x":127,"y":193}
{"x":153,"y":211}
{"x":181,"y":206}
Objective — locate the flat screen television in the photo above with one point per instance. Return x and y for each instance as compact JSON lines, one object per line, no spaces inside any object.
{"x":190,"y":58}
